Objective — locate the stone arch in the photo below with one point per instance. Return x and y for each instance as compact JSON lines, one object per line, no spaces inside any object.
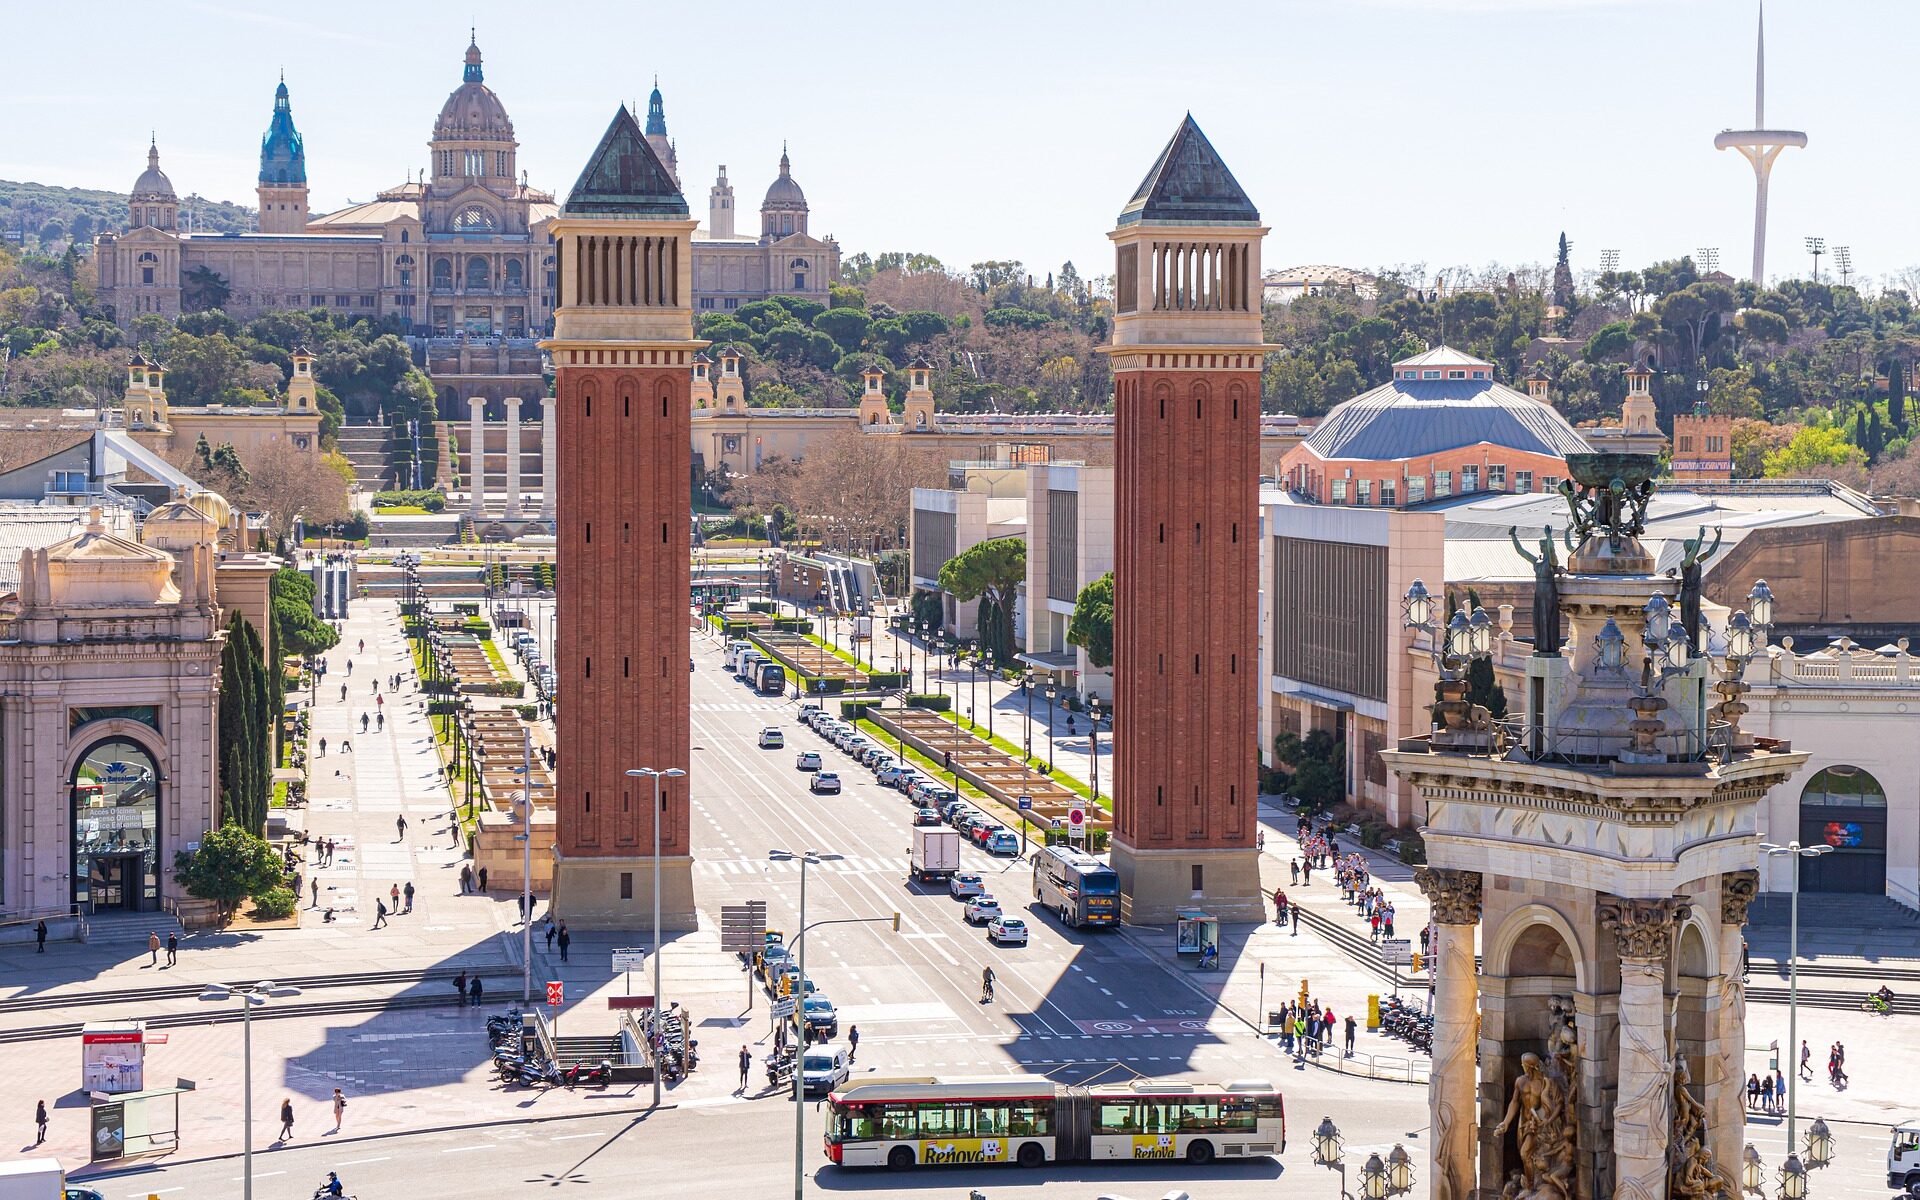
{"x":479,"y":272}
{"x":1513,"y":934}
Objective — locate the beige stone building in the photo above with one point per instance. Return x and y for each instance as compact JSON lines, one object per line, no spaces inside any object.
{"x":154,"y":422}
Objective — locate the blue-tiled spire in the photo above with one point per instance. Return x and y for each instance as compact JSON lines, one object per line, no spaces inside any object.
{"x":472,"y":72}
{"x":656,"y":112}
{"x":283,"y":156}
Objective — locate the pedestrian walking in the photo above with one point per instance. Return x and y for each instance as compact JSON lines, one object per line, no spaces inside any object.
{"x":552,"y":929}
{"x":323,"y":747}
{"x":780,"y":1038}
{"x":460,"y":990}
{"x":408,"y":893}
{"x":286,"y":1119}
{"x":566,"y":939}
{"x":173,"y":948}
{"x":473,"y":992}
{"x":853,"y":1042}
{"x":379,"y":914}
{"x":339,"y":1108}
{"x":1294,"y":909}
{"x":1349,"y":1035}
{"x":746,"y":1064}
{"x":40,"y":1122}
{"x":153,"y":948}
{"x":393,"y":893}
{"x":1296,"y":872}
{"x":363,"y":650}
{"x":316,"y":895}
{"x":1806,"y":1071}
{"x":40,"y":937}
{"x":466,"y":878}
{"x":481,"y":875}
{"x":343,"y":688}
{"x":364,"y":722}
{"x":380,"y":723}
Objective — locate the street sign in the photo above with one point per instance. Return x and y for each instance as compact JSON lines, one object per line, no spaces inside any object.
{"x":743,"y":927}
{"x":1026,"y":802}
{"x":629,"y":959}
{"x":556,"y":992}
{"x":1077,"y":814}
{"x":783,"y":1008}
{"x":1397,"y":951}
{"x":616,"y":1003}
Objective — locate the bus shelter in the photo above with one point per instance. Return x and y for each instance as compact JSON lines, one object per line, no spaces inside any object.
{"x":1196,"y":932}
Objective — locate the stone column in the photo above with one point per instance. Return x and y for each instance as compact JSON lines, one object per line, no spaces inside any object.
{"x":513,"y":457}
{"x":1643,"y":1116}
{"x":549,"y":485}
{"x":1452,"y":1095}
{"x":1726,"y":1086}
{"x":477,"y":455}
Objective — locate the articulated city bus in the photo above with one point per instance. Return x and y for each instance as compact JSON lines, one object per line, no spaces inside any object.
{"x":1031,"y":1121}
{"x":1076,"y":887}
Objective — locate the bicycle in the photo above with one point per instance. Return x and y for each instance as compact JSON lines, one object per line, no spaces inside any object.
{"x":1878,"y":1005}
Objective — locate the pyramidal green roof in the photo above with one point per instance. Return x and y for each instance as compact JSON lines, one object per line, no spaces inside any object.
{"x":624,"y":178}
{"x":1189,"y":184}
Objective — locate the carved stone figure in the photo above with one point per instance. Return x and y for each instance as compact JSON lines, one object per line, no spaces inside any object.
{"x":1546,"y":593}
{"x":1738,"y":889}
{"x":1538,"y":1112}
{"x":1454,"y":895}
{"x":1691,"y":561}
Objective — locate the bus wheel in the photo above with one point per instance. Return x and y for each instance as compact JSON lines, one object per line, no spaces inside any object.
{"x":1031,"y":1155}
{"x":1200,"y":1153}
{"x":1063,"y":917}
{"x":899,"y":1158}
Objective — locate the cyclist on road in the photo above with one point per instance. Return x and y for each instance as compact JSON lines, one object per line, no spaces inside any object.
{"x":332,"y":1187}
{"x":986,"y":985}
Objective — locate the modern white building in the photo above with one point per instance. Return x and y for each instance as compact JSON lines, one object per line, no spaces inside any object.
{"x":984,"y":501}
{"x":1069,"y":545}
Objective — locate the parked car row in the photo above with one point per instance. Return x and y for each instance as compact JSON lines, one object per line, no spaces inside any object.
{"x":527,"y":647}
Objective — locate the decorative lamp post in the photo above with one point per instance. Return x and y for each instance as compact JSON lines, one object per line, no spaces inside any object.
{"x":259,"y":993}
{"x":1454,"y":644}
{"x":1753,"y":1175}
{"x":1026,"y":691}
{"x":1793,"y":1179}
{"x":806,"y":858}
{"x":657,"y":776}
{"x":1746,"y":637}
{"x":1326,"y":1151}
{"x":1052,"y":690}
{"x":1399,"y":1171}
{"x":1093,"y":743}
{"x":1610,"y":647}
{"x":1373,"y":1178}
{"x":1819,"y":1144}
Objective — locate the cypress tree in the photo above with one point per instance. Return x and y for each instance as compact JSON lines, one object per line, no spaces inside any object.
{"x":246,"y":760}
{"x":1897,"y":395}
{"x":1860,"y":432}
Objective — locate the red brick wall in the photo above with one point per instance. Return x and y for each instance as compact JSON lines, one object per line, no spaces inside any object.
{"x":622,"y":516}
{"x":1303,"y":469}
{"x":1186,"y":591}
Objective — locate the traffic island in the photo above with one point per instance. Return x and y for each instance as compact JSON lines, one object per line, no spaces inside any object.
{"x":997,"y":774}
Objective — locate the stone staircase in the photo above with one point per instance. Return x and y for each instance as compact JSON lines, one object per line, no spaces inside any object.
{"x":1860,"y":913}
{"x":412,"y":533}
{"x":589,"y":1049}
{"x":365,"y":446}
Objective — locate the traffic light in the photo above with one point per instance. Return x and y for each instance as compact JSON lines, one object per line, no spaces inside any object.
{"x":896,"y":922}
{"x":1419,"y":961}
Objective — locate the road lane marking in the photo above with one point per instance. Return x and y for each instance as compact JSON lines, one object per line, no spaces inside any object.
{"x":361,"y":1161}
{"x":464,"y":1149}
{"x":568,"y":1137}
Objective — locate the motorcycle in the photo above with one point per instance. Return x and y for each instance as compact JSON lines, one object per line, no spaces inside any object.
{"x":597,"y":1075}
{"x":781,"y":1066}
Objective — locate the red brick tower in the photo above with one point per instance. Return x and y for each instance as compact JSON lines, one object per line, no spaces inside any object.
{"x":622,"y":350}
{"x":1186,"y":352}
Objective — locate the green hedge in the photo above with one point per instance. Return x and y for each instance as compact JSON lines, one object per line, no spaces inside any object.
{"x":466,"y":608}
{"x":762,"y":606}
{"x":938,"y":701}
{"x":443,"y":708}
{"x":888,"y":679}
{"x":791,"y":625}
{"x":811,"y":685}
{"x":855,"y":710}
{"x":432,"y":501}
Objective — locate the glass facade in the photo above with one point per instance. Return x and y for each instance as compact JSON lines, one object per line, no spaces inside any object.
{"x":116,"y":832}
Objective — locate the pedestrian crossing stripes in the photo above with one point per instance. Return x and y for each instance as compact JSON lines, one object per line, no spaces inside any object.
{"x":735,"y":706}
{"x":762,"y":866}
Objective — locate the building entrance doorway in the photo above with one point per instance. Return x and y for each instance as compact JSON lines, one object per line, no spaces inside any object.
{"x":116,"y":827}
{"x":1846,"y":808}
{"x":114,"y":882}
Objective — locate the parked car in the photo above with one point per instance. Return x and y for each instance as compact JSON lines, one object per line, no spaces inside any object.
{"x":825,"y":782}
{"x":823,"y":1069}
{"x":1007,"y":931}
{"x":947,"y":808}
{"x":878,"y":764}
{"x":809,"y":760}
{"x":809,"y":713}
{"x":925,"y":816}
{"x":981,"y":908}
{"x":891,"y":774}
{"x":932,"y":793}
{"x":873,"y":753}
{"x":959,"y":816}
{"x":1000,"y":841}
{"x":980,"y":831}
{"x":966,"y":884}
{"x":772,"y":739}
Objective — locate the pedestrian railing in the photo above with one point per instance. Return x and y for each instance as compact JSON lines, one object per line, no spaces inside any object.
{"x":1391,"y":1068}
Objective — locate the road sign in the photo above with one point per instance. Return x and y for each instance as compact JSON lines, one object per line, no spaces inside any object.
{"x":556,"y":992}
{"x":783,"y":1008}
{"x":1077,"y":814}
{"x":629,"y":959}
{"x":1026,"y":802}
{"x":1397,"y":951}
{"x":743,"y":927}
{"x":616,"y":1003}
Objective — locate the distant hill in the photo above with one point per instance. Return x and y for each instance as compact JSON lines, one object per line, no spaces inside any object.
{"x":45,"y":215}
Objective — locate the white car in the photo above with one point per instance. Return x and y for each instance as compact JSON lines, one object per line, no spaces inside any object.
{"x":1007,"y":931}
{"x":772,"y":739}
{"x":892,"y":773}
{"x":966,"y":884}
{"x":982,"y":908}
{"x":809,"y":760}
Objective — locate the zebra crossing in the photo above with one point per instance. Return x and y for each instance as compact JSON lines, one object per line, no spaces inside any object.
{"x":851,"y":865}
{"x":737,"y":706}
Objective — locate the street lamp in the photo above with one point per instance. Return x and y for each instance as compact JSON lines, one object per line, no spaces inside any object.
{"x":806,"y":857}
{"x":656,"y":776}
{"x":1399,"y":1171}
{"x":1793,"y":1178}
{"x":1026,"y":691}
{"x":1052,"y":690}
{"x":1794,"y":852}
{"x":1752,"y":1171}
{"x":1611,"y":647}
{"x":1819,"y":1144}
{"x":259,"y":993}
{"x":1093,"y":742}
{"x":1373,"y":1178}
{"x":1326,"y":1151}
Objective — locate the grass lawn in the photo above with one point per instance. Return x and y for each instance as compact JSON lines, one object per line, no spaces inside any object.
{"x":403,"y":510}
{"x":279,"y":795}
{"x":493,"y":656}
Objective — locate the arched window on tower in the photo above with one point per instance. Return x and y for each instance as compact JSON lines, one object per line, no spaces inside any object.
{"x":148,"y":261}
{"x":476,"y":273}
{"x":476,"y":163}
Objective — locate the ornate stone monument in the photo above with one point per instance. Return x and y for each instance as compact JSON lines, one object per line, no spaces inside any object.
{"x":1601,"y":847}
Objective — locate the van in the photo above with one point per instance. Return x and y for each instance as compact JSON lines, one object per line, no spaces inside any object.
{"x":823,"y":1069}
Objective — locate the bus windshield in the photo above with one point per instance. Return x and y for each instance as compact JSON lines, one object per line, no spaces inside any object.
{"x":1102,"y":882}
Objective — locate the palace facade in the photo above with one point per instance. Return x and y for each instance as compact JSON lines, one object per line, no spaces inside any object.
{"x":461,"y":252}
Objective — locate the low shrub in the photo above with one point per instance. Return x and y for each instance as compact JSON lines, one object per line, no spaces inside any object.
{"x":274,"y":904}
{"x":432,"y":501}
{"x":854,"y":710}
{"x":888,"y":679}
{"x":938,"y":702}
{"x":762,"y":606}
{"x":527,"y":712}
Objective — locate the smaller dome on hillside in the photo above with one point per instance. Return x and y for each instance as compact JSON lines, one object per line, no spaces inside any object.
{"x":153,"y":183}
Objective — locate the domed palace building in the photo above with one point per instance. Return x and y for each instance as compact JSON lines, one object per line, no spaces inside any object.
{"x":460,"y":252}
{"x":1442,"y":426}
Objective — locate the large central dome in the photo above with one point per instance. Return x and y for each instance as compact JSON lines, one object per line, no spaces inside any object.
{"x":473,"y":113}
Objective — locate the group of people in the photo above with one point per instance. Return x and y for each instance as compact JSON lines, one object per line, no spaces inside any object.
{"x":1767,"y":1094}
{"x":1308,"y":1028}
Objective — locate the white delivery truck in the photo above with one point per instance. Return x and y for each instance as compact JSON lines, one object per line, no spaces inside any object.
{"x":1903,"y":1159}
{"x":935,"y":853}
{"x":32,"y":1179}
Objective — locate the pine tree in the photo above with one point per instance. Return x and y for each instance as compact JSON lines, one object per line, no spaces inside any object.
{"x":1860,"y":431}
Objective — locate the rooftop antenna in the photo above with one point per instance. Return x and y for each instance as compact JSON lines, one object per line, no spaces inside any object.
{"x":1816,"y":246}
{"x":1609,"y":261}
{"x":1707,"y":258}
{"x":1843,"y":258}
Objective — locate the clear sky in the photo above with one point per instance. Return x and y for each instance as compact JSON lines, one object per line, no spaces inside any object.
{"x":1369,"y":132}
